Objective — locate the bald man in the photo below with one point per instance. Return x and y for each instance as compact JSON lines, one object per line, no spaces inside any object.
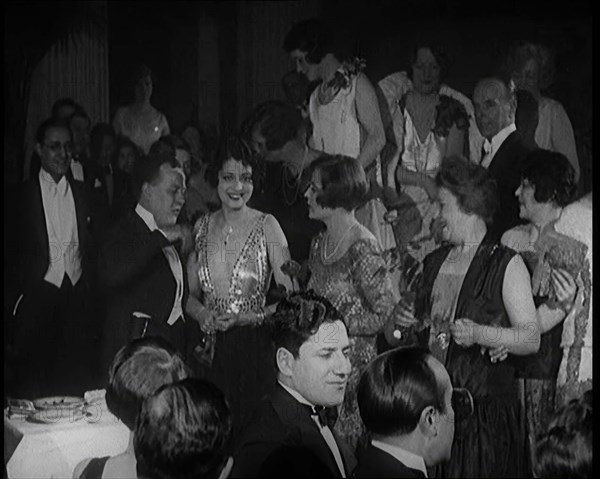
{"x":504,"y":150}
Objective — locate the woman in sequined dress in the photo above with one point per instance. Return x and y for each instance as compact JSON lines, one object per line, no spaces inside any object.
{"x":347,"y":267}
{"x":238,"y":250}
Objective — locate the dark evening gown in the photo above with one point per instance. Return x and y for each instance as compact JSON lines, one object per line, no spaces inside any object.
{"x":489,"y":443}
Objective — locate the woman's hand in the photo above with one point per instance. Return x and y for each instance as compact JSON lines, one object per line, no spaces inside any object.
{"x":229,"y":320}
{"x":207,"y":323}
{"x":463,"y":332}
{"x":565,"y":288}
{"x":497,"y":354}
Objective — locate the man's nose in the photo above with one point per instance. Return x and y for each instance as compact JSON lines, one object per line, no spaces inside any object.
{"x":343,"y":367}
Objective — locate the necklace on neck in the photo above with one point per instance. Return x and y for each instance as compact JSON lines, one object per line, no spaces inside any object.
{"x":328,"y":257}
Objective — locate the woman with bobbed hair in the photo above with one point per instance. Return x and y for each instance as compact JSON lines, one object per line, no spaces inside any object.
{"x":347,"y":267}
{"x":531,"y":67}
{"x":479,"y":292}
{"x":547,"y":187}
{"x":136,"y":372}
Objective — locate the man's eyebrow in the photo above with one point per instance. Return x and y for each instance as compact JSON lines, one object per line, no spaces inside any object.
{"x":326,"y":349}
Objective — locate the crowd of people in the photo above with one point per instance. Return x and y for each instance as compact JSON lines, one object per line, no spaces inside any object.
{"x":297,"y":302}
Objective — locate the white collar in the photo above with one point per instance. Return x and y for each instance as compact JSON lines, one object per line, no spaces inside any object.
{"x":46,"y":178}
{"x":297,"y":396}
{"x":147,"y":217}
{"x":407,"y":458}
{"x":499,"y":138}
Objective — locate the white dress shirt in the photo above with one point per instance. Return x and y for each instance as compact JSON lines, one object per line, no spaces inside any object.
{"x":174,"y":262}
{"x":407,"y":458}
{"x":61,"y":226}
{"x":325,"y":431}
{"x":491,"y":148}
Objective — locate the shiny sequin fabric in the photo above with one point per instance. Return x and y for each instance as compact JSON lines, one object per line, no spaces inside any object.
{"x":250,"y":276}
{"x":242,"y":365}
{"x":359,"y":286}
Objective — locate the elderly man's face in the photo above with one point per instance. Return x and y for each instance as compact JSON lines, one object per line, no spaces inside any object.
{"x":321,"y":370}
{"x":493,"y":110}
{"x":166,"y":196}
{"x":55,"y":151}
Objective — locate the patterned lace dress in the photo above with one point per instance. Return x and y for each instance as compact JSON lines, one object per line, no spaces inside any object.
{"x":242,"y":364}
{"x":359,"y":286}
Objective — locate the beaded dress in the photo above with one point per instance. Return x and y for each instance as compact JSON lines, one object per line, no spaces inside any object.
{"x":359,"y":287}
{"x":242,"y":364}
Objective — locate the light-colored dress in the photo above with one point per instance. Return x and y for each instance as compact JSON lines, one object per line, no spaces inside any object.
{"x":423,"y":156}
{"x":555,"y":132}
{"x":359,"y":287}
{"x":143,"y":135}
{"x":242,"y":365}
{"x":337,"y":131}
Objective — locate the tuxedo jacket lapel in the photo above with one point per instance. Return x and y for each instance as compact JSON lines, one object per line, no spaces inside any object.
{"x":296,"y":416}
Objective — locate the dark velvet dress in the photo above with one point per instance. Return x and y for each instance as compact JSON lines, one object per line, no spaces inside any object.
{"x":490,"y":443}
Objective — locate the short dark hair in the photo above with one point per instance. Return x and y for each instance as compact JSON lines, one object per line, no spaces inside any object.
{"x":311,"y":36}
{"x":475,"y":191}
{"x":343,"y":180}
{"x":237,"y":148}
{"x":395,"y":388}
{"x":298,"y":317}
{"x":175,"y":142}
{"x":137,"y":72}
{"x":146,"y":169}
{"x":137,"y":370}
{"x":61,"y":102}
{"x":97,"y":135}
{"x":552,"y":177}
{"x":296,"y":87}
{"x":183,"y":431}
{"x":565,"y":450}
{"x":277,"y":121}
{"x":52,"y":122}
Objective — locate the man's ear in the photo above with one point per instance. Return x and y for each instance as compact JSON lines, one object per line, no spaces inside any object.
{"x":285,"y":361}
{"x":428,"y":422}
{"x":38,"y":149}
{"x":226,"y":469}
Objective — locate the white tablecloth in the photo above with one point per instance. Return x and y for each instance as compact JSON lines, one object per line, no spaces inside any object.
{"x":53,"y":450}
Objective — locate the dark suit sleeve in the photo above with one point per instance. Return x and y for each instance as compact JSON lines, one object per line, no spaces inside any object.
{"x":125,"y":253}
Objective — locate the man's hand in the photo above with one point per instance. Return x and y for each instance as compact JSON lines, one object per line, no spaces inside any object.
{"x":463,"y":332}
{"x":497,"y":354}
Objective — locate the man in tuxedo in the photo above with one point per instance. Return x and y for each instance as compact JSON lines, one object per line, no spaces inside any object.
{"x":55,"y":273}
{"x":311,"y":346}
{"x":504,"y":151}
{"x":404,"y":398}
{"x":140,"y":264}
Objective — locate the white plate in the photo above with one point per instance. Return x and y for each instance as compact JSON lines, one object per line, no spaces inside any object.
{"x":58,"y":402}
{"x":55,"y":416}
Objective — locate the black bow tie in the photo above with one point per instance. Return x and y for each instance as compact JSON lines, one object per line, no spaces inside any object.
{"x":327,"y":415}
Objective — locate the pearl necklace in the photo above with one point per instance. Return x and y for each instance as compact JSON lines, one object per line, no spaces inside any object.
{"x":327,"y":257}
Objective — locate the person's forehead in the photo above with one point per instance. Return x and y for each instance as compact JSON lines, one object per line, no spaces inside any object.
{"x":170,"y":175}
{"x":58,"y":132}
{"x":235,"y":166}
{"x":425,"y":55}
{"x":330,"y":335}
{"x":489,"y":90}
